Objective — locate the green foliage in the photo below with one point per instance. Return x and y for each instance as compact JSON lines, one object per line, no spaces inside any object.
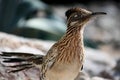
{"x":20,"y":17}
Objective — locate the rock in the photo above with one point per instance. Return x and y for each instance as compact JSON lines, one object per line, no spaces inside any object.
{"x":83,"y":76}
{"x":117,"y":67}
{"x":23,"y":75}
{"x":99,"y":78}
{"x":97,"y":61}
{"x":10,"y":42}
{"x":116,"y":70}
{"x":107,"y":75}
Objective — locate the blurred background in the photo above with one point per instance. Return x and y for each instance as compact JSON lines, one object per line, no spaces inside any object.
{"x":45,"y":20}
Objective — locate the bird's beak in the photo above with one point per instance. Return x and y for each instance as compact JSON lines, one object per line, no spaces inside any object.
{"x":98,"y":13}
{"x":91,"y":15}
{"x":94,"y":14}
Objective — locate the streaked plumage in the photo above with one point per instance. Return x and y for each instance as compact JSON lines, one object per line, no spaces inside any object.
{"x":25,"y":60}
{"x":65,"y":58}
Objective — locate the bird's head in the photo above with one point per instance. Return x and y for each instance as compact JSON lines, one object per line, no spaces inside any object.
{"x":79,"y":16}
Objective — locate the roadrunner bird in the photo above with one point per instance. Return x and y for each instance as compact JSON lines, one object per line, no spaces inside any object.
{"x":65,"y":58}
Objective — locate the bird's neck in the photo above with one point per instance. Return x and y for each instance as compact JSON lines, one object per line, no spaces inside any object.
{"x":74,"y":34}
{"x":74,"y":31}
{"x":71,"y":44}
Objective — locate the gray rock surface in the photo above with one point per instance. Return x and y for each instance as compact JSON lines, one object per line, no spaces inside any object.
{"x":96,"y":61}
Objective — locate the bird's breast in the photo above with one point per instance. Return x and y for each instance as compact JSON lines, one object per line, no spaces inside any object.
{"x":62,"y":71}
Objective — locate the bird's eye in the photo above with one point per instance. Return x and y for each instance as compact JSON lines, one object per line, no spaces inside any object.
{"x":75,"y":15}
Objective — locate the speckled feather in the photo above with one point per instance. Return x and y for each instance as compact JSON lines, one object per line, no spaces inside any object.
{"x":65,"y":58}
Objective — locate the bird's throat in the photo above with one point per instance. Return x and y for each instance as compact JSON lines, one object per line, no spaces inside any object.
{"x":75,"y":30}
{"x":71,"y":45}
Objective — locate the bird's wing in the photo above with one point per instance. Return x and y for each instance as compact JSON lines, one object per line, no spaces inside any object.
{"x":49,"y":60}
{"x":25,"y":60}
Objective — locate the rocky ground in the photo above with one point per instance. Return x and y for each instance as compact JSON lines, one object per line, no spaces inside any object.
{"x":98,"y":65}
{"x":101,"y":62}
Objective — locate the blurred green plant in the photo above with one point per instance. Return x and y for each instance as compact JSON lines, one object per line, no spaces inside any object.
{"x":30,"y":18}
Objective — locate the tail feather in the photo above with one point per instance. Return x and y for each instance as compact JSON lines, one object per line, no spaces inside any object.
{"x":26,"y":60}
{"x":11,"y":57}
{"x":13,"y":60}
{"x":36,"y":60}
{"x":19,"y":65}
{"x":20,"y":69}
{"x":9,"y":54}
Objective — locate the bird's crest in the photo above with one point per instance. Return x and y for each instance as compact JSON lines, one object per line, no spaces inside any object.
{"x":73,"y":10}
{"x":70,"y":11}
